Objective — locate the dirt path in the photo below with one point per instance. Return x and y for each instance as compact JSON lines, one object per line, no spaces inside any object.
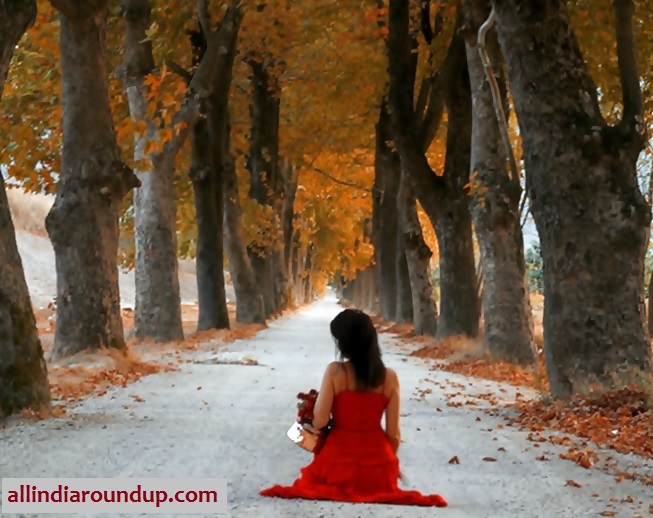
{"x":221,"y":420}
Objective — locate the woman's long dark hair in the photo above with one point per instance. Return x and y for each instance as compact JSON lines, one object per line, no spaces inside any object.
{"x":358,"y":342}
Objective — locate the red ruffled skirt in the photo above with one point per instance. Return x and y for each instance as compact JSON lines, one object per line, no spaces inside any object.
{"x":354,"y":467}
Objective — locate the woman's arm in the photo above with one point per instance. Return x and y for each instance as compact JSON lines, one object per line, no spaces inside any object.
{"x":322,"y":411}
{"x":392,"y":414}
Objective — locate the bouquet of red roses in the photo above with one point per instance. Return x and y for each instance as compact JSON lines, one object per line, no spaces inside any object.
{"x":305,"y":409}
{"x":306,"y":406}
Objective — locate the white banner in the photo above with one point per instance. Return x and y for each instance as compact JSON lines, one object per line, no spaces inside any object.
{"x":114,"y":495}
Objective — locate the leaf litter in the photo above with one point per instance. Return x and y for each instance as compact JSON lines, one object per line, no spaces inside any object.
{"x":621,"y":420}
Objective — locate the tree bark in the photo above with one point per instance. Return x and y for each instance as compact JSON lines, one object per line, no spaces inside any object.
{"x":23,"y":373}
{"x":157,"y":311}
{"x":210,"y":269}
{"x":494,"y":200}
{"x":308,"y":285}
{"x":404,"y":309}
{"x":263,"y":165}
{"x":418,"y":256}
{"x":93,"y":182}
{"x":387,"y":171}
{"x":650,"y":306}
{"x":591,"y":217}
{"x":287,"y":220}
{"x":213,"y":55}
{"x":459,"y":304}
{"x":249,"y":301}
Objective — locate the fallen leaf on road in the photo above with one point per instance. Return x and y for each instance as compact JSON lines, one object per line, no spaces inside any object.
{"x":489,"y":459}
{"x":573,"y":483}
{"x":58,"y":411}
{"x":502,"y":449}
{"x":454,"y":460}
{"x":608,"y":512}
{"x":542,"y":458}
{"x":199,"y":388}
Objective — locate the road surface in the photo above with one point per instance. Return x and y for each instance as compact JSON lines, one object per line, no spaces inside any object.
{"x":225,"y":420}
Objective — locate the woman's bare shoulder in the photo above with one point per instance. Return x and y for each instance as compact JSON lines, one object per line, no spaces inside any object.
{"x":391,"y":377}
{"x":333,"y":368}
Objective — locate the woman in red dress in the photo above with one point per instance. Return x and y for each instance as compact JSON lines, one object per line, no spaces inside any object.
{"x":358,"y":462}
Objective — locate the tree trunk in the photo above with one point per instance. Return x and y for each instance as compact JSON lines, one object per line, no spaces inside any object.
{"x":443,"y":197}
{"x":210,"y":269}
{"x":295,"y":267}
{"x":387,"y":171}
{"x":158,"y":302}
{"x":249,"y":301}
{"x":495,"y":197}
{"x":308,"y":286}
{"x":23,"y":373}
{"x":93,"y":182}
{"x":404,"y":310}
{"x":418,"y":256}
{"x":591,"y":217}
{"x":650,"y":306}
{"x":372,"y":305}
{"x":214,"y":52}
{"x":263,"y":165}
{"x":459,"y":304}
{"x":287,"y":220}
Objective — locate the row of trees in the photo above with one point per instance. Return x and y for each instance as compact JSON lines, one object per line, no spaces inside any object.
{"x":581,"y":179}
{"x":174,"y":133}
{"x":307,"y":140}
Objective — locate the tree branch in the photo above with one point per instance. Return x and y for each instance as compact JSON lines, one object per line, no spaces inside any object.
{"x":632,"y":119}
{"x":203,"y":16}
{"x":180,"y":71}
{"x":400,"y":58}
{"x":202,"y":82}
{"x":423,"y":97}
{"x":496,"y":95}
{"x":433,"y":114}
{"x":14,"y":23}
{"x":338,"y":181}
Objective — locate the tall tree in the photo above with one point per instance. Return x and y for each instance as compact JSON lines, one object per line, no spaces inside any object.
{"x":387,"y":172}
{"x":249,"y":300}
{"x":93,"y":182}
{"x":208,"y":142}
{"x":158,"y":310}
{"x":591,"y":216}
{"x":23,"y":374}
{"x":263,"y":165}
{"x":158,"y":301}
{"x":443,"y":197}
{"x":495,"y":196}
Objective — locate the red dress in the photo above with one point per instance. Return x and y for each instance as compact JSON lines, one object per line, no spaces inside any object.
{"x":356,"y":463}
